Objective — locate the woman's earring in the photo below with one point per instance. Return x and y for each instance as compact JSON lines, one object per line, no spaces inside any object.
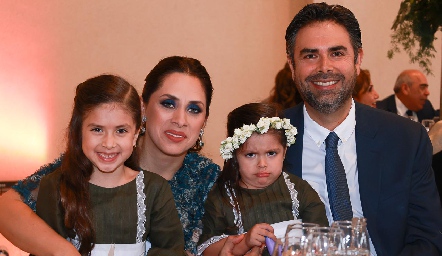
{"x":143,"y":125}
{"x":200,"y":138}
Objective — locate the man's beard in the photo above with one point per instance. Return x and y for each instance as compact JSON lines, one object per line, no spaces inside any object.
{"x":327,"y":102}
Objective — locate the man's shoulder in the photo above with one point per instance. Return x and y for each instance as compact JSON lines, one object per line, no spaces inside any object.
{"x":294,"y":112}
{"x":373,"y":120}
{"x":378,"y":115}
{"x":385,"y":103}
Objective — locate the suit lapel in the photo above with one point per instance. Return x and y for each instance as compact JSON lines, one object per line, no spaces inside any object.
{"x":368,"y":164}
{"x":294,"y":152}
{"x":391,"y":104}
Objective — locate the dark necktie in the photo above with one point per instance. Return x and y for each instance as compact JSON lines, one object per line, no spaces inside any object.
{"x":337,"y":186}
{"x":409,"y":113}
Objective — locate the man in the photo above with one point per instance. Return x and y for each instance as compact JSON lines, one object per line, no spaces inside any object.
{"x":410,"y":93}
{"x":387,"y":158}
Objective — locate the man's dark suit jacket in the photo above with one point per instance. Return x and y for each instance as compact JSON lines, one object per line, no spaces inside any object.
{"x":396,"y":183}
{"x":437,"y":168}
{"x":389,"y":104}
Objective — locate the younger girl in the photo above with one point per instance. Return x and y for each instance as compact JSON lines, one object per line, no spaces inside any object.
{"x":98,"y":198}
{"x":252,"y":191}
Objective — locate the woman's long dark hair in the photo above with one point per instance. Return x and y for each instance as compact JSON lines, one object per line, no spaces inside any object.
{"x":178,"y":64}
{"x":245,"y":115}
{"x":284,"y":92}
{"x":76,"y":168}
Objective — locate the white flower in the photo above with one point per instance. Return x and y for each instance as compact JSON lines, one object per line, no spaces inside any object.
{"x":240,"y":135}
{"x":277,"y":125}
{"x":237,"y":131}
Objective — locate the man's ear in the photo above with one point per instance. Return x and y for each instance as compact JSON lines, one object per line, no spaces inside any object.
{"x":290,"y":62}
{"x":405,"y":89}
{"x":359,"y":60}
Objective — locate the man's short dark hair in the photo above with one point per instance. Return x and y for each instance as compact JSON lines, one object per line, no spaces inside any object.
{"x":320,"y":12}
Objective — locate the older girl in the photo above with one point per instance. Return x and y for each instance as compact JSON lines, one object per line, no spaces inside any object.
{"x":98,"y":198}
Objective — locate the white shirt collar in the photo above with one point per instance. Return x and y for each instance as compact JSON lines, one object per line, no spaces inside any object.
{"x":400,"y":107}
{"x":318,"y":133}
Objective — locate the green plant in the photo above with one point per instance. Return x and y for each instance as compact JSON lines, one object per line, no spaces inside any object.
{"x":414,"y":28}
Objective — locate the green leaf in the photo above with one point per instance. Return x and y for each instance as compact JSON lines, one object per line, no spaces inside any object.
{"x":414,"y":30}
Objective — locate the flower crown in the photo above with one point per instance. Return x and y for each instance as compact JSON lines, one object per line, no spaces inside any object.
{"x":264,"y":124}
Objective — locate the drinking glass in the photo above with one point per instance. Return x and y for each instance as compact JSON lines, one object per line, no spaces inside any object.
{"x":325,"y":241}
{"x":361,"y":241}
{"x":428,"y":123}
{"x":277,"y":250}
{"x":347,"y":227}
{"x":355,"y":236}
{"x":296,"y":237}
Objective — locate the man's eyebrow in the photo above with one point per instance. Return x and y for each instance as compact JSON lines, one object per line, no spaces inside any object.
{"x":337,"y":48}
{"x":331,"y":49}
{"x":308,"y":50}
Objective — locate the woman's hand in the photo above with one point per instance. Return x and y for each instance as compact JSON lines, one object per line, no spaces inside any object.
{"x":232,"y":241}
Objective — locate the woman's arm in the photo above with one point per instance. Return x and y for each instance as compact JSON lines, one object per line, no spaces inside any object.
{"x":22,"y":227}
{"x":232,"y":241}
{"x":216,"y":248}
{"x":234,"y":245}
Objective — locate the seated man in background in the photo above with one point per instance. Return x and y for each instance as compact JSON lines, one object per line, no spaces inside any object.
{"x":410,"y":97}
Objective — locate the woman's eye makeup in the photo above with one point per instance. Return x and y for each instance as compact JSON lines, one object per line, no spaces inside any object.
{"x":173,"y":103}
{"x":168,"y":103}
{"x":194,"y":108}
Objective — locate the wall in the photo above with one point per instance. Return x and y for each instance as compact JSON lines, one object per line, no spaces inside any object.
{"x":48,"y":47}
{"x":375,"y":19}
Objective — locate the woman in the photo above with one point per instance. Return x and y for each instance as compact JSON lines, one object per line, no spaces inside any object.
{"x":176,"y":96}
{"x":364,"y":91}
{"x":284,"y":92}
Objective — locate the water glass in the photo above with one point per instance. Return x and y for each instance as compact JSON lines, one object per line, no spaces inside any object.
{"x":277,"y":250}
{"x":325,"y":241}
{"x":361,"y":241}
{"x":347,"y":227}
{"x":355,"y":236}
{"x":428,"y":123}
{"x":296,"y":237}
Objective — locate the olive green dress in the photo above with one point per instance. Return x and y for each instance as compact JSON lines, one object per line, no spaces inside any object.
{"x":288,"y":198}
{"x":140,"y":213}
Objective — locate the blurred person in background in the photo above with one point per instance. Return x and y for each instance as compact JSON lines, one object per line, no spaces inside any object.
{"x":364,"y":91}
{"x":410,"y":98}
{"x":284,"y":92}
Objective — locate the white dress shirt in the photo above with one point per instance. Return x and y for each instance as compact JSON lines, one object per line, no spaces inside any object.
{"x":402,"y":109}
{"x":313,"y":160}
